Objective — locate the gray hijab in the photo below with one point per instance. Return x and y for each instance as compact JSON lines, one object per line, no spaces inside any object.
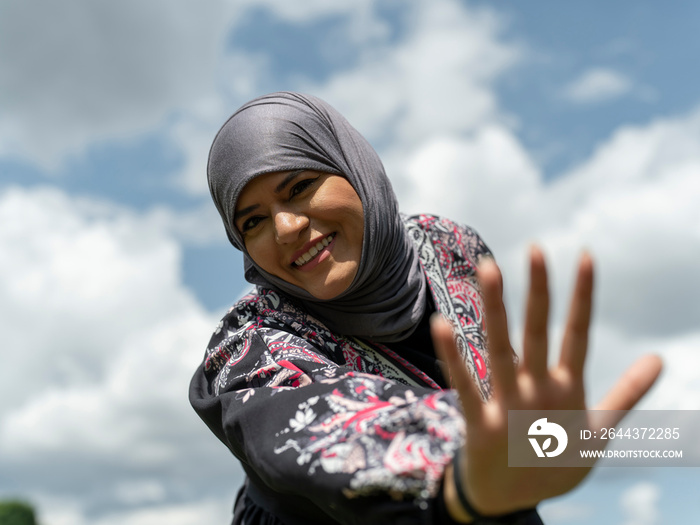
{"x":289,"y":131}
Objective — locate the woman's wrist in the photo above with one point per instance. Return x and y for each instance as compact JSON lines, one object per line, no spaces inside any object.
{"x":461,"y":509}
{"x":452,"y":500}
{"x":461,"y":489}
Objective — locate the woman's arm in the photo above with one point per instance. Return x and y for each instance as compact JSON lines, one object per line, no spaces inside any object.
{"x":343,"y":445}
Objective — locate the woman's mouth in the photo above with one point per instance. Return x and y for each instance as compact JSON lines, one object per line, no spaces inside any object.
{"x":314,"y":251}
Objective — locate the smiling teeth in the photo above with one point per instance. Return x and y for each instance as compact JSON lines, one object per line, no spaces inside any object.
{"x":314,"y":251}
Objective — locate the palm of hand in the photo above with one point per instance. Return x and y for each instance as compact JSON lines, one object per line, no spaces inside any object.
{"x":493,"y":487}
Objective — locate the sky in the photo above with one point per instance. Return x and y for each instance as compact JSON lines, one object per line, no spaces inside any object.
{"x":572,"y":125}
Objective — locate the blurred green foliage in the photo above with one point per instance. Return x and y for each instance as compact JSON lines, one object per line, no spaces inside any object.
{"x":16,"y":512}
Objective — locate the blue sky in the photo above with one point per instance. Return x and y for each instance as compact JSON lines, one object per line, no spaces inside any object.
{"x":569,"y":124}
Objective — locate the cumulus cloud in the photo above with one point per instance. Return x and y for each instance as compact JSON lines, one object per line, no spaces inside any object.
{"x":679,"y":387}
{"x":62,"y":512}
{"x":359,"y":13}
{"x":493,"y":183}
{"x":598,"y":85}
{"x":82,"y":71}
{"x":639,"y":504}
{"x":79,"y":71}
{"x":436,"y":79}
{"x":90,"y":71}
{"x":565,"y":512}
{"x":99,"y":341}
{"x":71,"y":269}
{"x":205,"y":511}
{"x":633,"y":204}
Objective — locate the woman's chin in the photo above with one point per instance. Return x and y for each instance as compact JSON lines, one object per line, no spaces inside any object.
{"x":327,"y":293}
{"x":331,"y":287}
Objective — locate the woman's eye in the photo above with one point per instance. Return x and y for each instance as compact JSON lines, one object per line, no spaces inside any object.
{"x":250,"y":223}
{"x":301,"y":186}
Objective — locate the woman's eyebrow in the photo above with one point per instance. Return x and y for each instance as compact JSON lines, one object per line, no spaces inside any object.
{"x":245,"y":211}
{"x":289,"y":178}
{"x":280,"y":187}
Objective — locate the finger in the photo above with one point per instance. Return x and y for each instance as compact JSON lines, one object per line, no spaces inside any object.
{"x":446,"y":349}
{"x":575,"y":343}
{"x":536,"y":316}
{"x":632,"y":385}
{"x":500,"y":352}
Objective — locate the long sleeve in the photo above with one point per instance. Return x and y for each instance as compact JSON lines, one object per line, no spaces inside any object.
{"x":345,"y":446}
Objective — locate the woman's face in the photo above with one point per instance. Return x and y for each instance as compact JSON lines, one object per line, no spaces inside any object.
{"x":305,"y":227}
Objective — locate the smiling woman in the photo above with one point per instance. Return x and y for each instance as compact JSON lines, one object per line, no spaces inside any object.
{"x":304,"y":227}
{"x":326,"y":380}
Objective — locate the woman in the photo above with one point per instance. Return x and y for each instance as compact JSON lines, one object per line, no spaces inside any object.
{"x":324,"y":382}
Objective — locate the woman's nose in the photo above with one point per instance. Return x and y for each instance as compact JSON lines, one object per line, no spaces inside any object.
{"x":288,"y":226}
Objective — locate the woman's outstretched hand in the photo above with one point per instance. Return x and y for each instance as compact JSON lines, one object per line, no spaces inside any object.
{"x":492,"y":487}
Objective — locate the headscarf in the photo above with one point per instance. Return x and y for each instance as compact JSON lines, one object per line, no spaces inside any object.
{"x":289,"y":131}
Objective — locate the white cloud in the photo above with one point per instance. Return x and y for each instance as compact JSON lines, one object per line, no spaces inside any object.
{"x":359,"y":14}
{"x":598,"y":85}
{"x":633,"y":204}
{"x":99,"y":341}
{"x":140,"y":491}
{"x":205,"y":511}
{"x":71,"y":273}
{"x":679,"y":387}
{"x":436,"y":79}
{"x":80,"y":71}
{"x":639,"y":504}
{"x":107,"y":71}
{"x":558,"y":511}
{"x":297,"y":12}
{"x":492,"y":184}
{"x":194,"y":227}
